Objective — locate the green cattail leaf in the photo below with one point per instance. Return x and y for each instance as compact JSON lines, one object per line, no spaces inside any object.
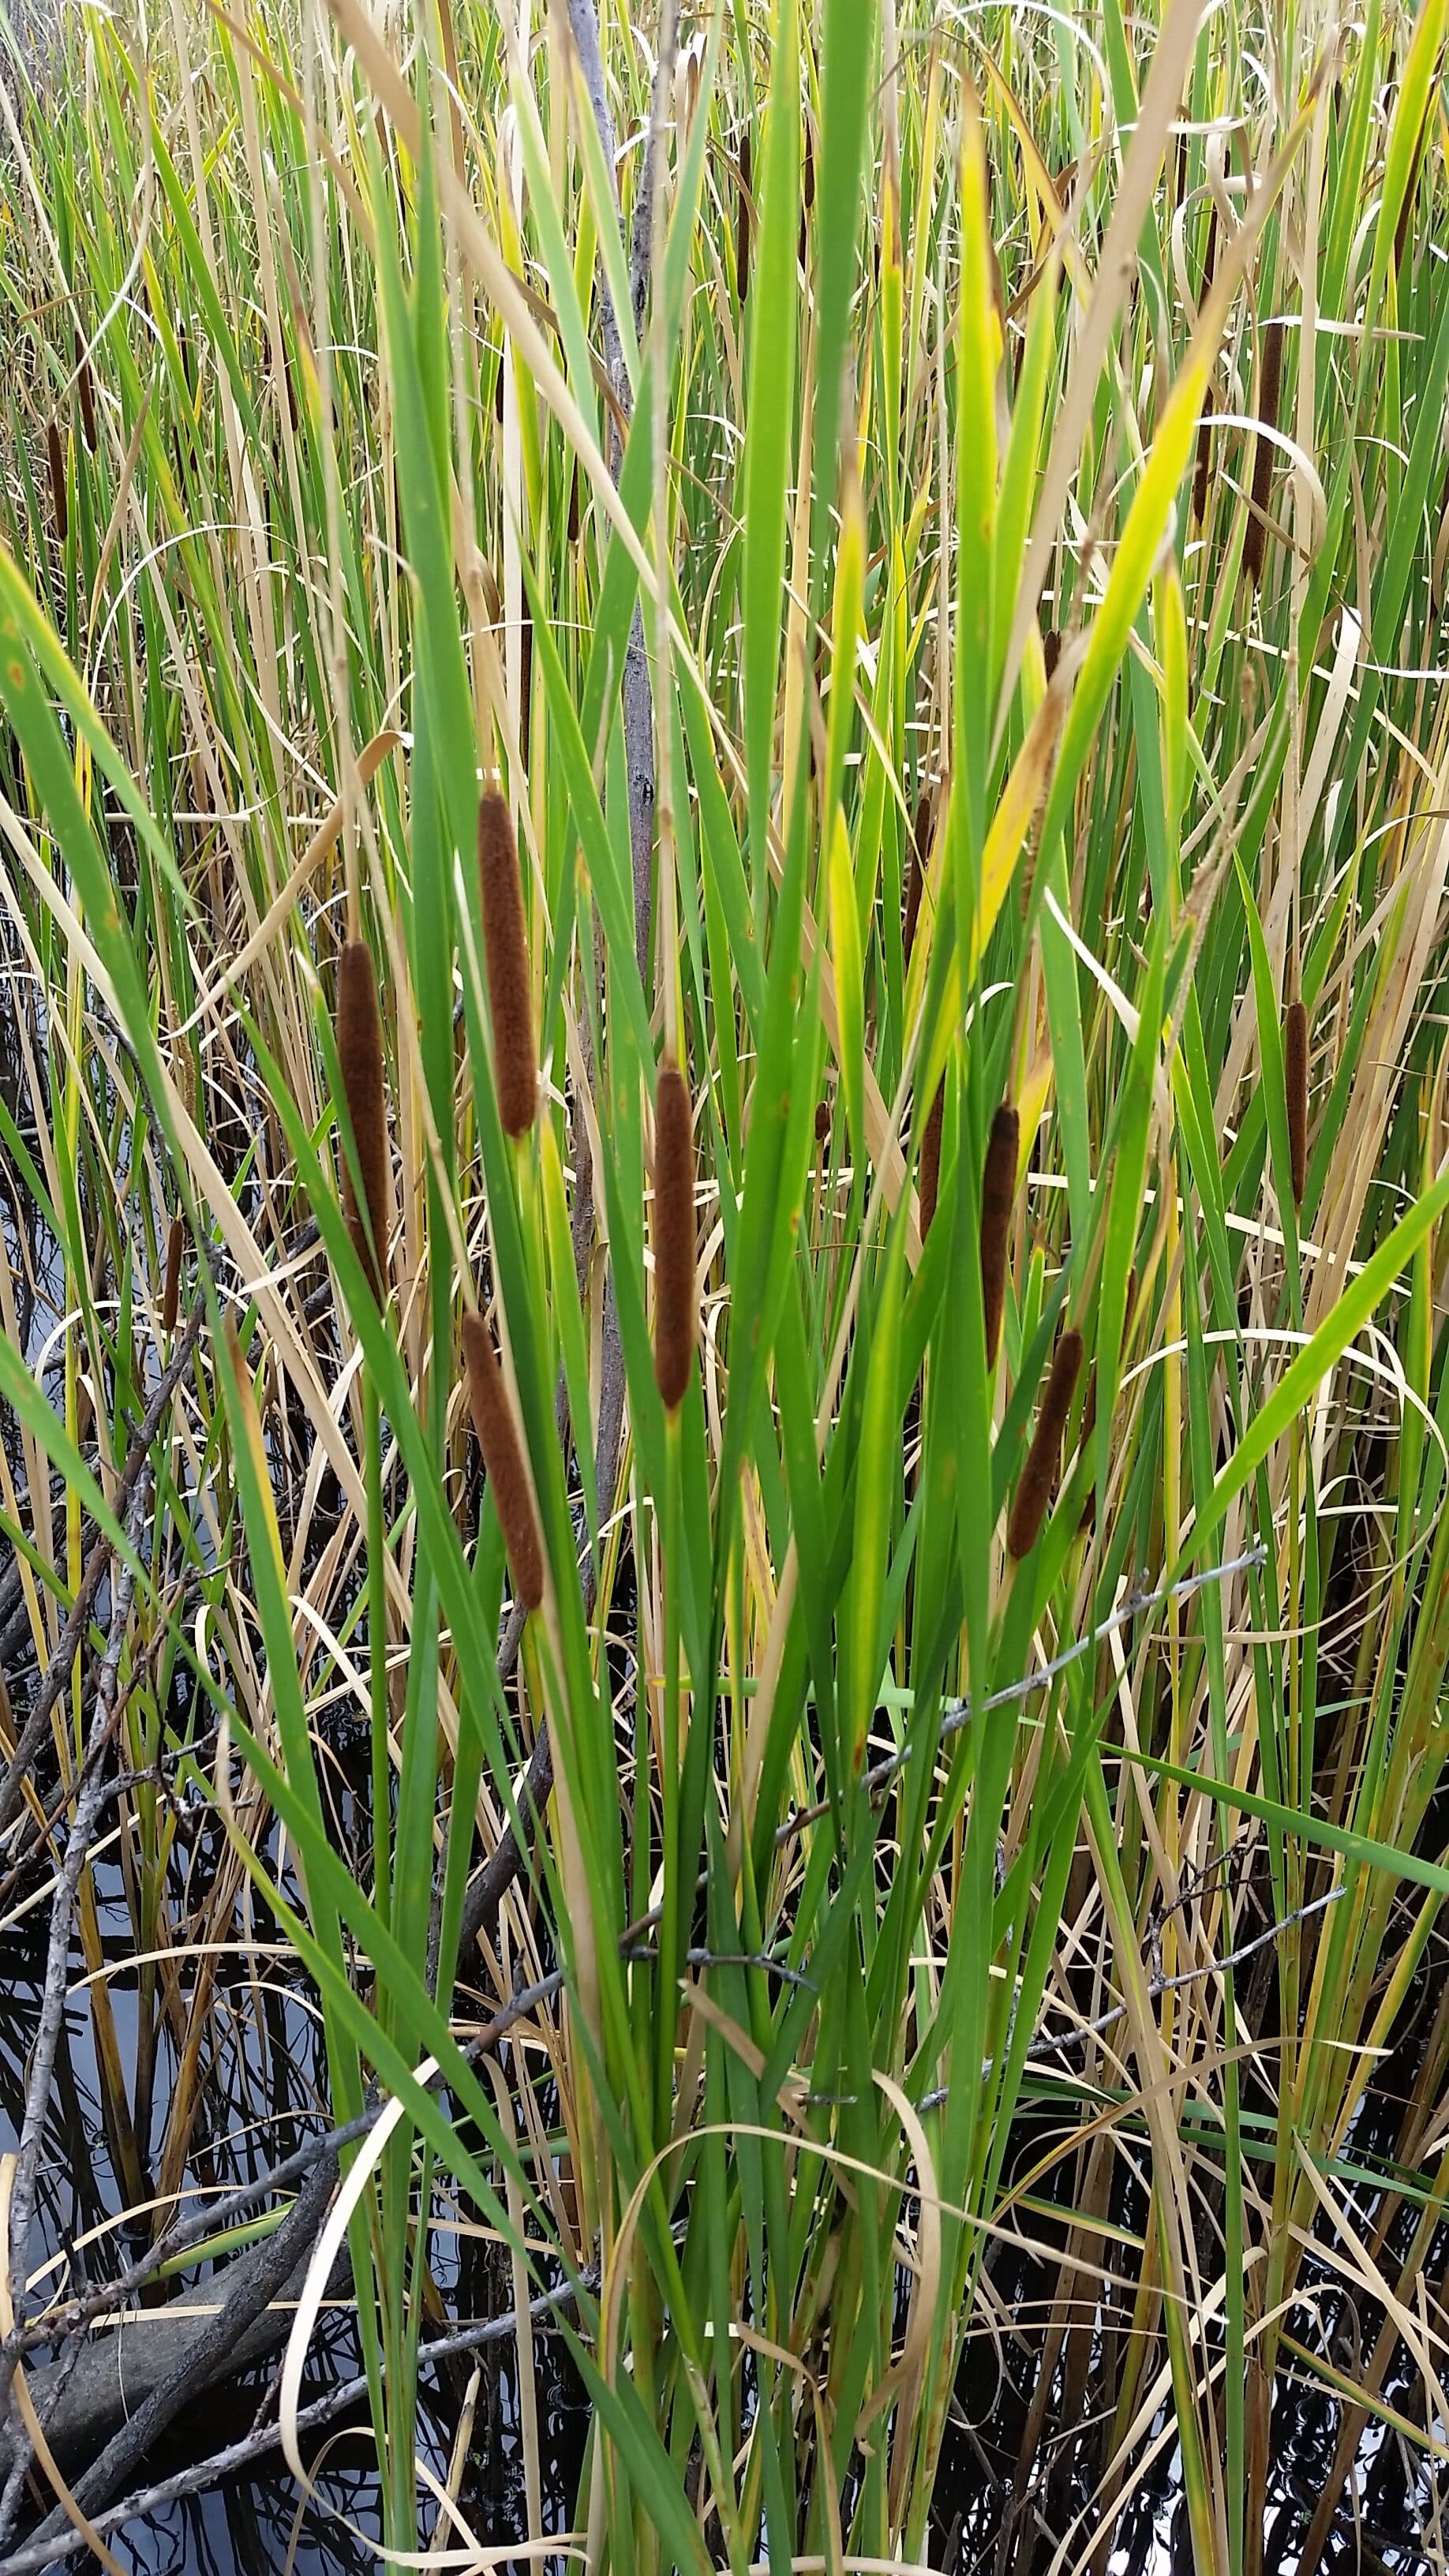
{"x":845,"y":961}
{"x":877,"y":1477}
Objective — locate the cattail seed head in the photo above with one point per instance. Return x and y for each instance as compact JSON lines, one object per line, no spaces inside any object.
{"x":359,"y":1063}
{"x":1269,"y":388}
{"x":1051,"y":651}
{"x":505,"y":942}
{"x":1295,"y":1083}
{"x":502,"y":1447}
{"x":822,"y":1121}
{"x":86,"y":388}
{"x":998,"y":1194}
{"x":59,"y":501}
{"x":1034,"y":1492}
{"x":931,"y":1160}
{"x":675,"y":1285}
{"x":171,"y":1293}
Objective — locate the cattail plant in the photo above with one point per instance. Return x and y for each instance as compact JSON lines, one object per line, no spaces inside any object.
{"x":675,"y":1298}
{"x":505,"y":942}
{"x":503,"y":1459}
{"x":59,"y":501}
{"x":1269,"y":387}
{"x":171,"y":1292}
{"x":359,"y":1063}
{"x":998,"y":1192}
{"x":1038,"y":1476}
{"x":1295,"y":1084}
{"x":931,"y":1160}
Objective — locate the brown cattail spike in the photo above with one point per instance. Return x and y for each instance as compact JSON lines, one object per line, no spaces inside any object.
{"x":1034,"y":1492}
{"x":505,"y":942}
{"x":58,"y":498}
{"x":822,"y":1121}
{"x":502,"y":1448}
{"x":931,"y":1160}
{"x":359,"y":1062}
{"x":1051,"y":651}
{"x":171,"y":1294}
{"x":998,"y":1194}
{"x":1269,"y":388}
{"x":675,"y":1286}
{"x":86,"y":388}
{"x":1295,"y":1083}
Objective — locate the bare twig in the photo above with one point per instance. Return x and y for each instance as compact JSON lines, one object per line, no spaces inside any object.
{"x":185,"y":2235}
{"x":58,"y":1670}
{"x":62,"y":1915}
{"x":959,"y":1712}
{"x":265,"y":2437}
{"x":1068,"y":2042}
{"x":211,"y":2353}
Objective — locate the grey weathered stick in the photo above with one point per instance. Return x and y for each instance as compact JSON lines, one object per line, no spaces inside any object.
{"x":57,"y":2325}
{"x":246,"y":2321}
{"x":957,"y":1713}
{"x":57,"y":1672}
{"x":62,"y":1916}
{"x":1066,"y":2043}
{"x":256,"y":2444}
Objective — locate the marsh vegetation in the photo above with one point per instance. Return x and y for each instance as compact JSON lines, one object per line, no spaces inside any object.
{"x":724,"y":1581}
